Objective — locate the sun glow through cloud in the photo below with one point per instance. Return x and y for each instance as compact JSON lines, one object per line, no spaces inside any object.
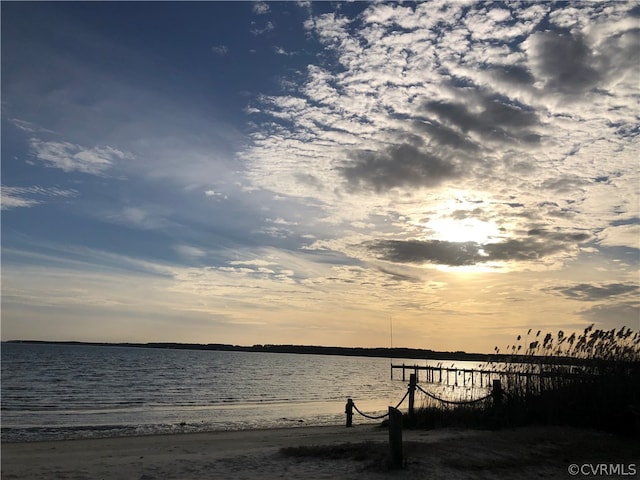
{"x":464,"y":230}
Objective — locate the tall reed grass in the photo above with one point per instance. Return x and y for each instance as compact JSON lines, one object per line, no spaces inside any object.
{"x":590,"y":379}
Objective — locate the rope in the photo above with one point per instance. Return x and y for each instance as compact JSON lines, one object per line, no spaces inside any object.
{"x":452,"y":402}
{"x":400,"y":402}
{"x":369,"y":416}
{"x":460,"y":402}
{"x":379,"y":416}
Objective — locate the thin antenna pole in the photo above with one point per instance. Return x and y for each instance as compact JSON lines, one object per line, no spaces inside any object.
{"x":391,"y":344}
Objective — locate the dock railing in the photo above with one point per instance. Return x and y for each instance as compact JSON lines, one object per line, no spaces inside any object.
{"x":496,"y":393}
{"x":469,"y":377}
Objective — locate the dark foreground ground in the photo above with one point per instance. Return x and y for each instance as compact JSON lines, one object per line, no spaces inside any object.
{"x":331,"y":453}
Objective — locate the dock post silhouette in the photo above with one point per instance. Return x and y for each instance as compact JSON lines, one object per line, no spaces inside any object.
{"x":395,"y":437}
{"x":349,"y":411}
{"x":413,"y":380}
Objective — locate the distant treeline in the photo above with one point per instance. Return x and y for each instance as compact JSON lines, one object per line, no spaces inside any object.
{"x":408,"y":353}
{"x":383,"y":352}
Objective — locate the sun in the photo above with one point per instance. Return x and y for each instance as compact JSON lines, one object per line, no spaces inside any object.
{"x":460,"y":217}
{"x":464,"y":230}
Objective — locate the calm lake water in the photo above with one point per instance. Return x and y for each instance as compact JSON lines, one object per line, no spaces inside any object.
{"x":76,"y":391}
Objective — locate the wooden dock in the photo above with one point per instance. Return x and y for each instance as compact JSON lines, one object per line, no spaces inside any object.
{"x":475,"y":377}
{"x":448,"y":376}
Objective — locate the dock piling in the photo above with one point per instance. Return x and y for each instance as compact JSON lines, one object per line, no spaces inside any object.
{"x":395,"y":437}
{"x":413,"y":379}
{"x":348,"y":409}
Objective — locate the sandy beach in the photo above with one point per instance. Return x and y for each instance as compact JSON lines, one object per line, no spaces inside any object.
{"x":533,"y":452}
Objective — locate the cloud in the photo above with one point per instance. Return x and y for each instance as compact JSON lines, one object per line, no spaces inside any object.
{"x":400,"y":276}
{"x":189,"y":251}
{"x":16,"y":197}
{"x":259,"y":269}
{"x":260,"y":8}
{"x":513,"y":75}
{"x":212,"y":193}
{"x":431,"y":251}
{"x":28,"y":127}
{"x":220,"y":50}
{"x":613,"y":315}
{"x":585,"y":49}
{"x":564,"y":62}
{"x":440,"y":252}
{"x":282,"y":51}
{"x":444,"y":135}
{"x":398,"y":165}
{"x":409,"y":100}
{"x":139,"y":217}
{"x":587,"y":292}
{"x":559,"y":237}
{"x":268,"y":27}
{"x":493,"y":120}
{"x":621,"y":235}
{"x":71,"y":157}
{"x":565,"y":183}
{"x":10,"y":201}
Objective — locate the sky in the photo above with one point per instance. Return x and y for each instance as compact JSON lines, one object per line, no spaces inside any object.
{"x":442,"y":175}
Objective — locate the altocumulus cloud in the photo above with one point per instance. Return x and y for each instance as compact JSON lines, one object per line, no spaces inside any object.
{"x":589,"y":292}
{"x":520,"y":106}
{"x":398,"y":165}
{"x":15,"y":197}
{"x":470,"y":253}
{"x":460,"y":164}
{"x":72,"y":157}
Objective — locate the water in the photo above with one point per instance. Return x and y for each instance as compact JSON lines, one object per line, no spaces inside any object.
{"x":78,"y":391}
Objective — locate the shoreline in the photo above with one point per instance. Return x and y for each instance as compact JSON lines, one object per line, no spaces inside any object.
{"x":391,"y":353}
{"x":257,"y":454}
{"x":242,"y":432}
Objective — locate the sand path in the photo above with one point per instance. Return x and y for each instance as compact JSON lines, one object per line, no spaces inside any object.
{"x":527,"y":453}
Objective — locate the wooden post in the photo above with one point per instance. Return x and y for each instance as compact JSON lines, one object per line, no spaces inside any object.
{"x":349,"y":411}
{"x":496,"y":392}
{"x":395,"y":437}
{"x":412,"y":392}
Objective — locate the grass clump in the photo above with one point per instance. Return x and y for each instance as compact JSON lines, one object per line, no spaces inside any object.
{"x":374,"y":455}
{"x":344,"y":451}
